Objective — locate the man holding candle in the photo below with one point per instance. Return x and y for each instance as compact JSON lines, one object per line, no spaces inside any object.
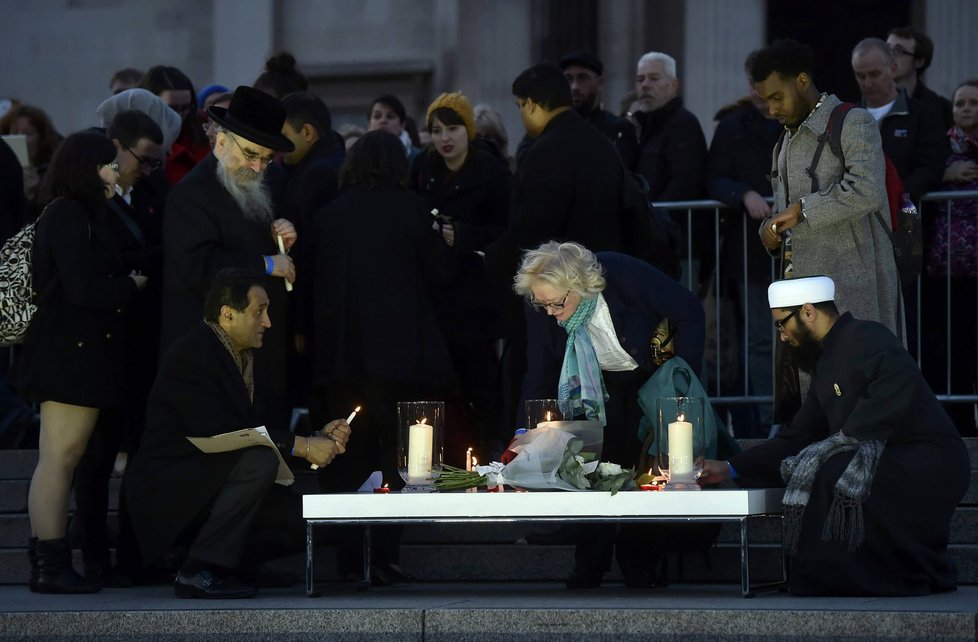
{"x":225,"y":505}
{"x":220,"y":215}
{"x":873,"y":465}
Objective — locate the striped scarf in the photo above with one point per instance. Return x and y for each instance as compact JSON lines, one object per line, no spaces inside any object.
{"x":844,"y":523}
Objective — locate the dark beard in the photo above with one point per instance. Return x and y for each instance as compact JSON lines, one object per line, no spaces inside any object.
{"x":806,"y":354}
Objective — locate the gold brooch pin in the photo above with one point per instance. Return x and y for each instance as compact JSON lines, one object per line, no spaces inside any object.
{"x":838,"y":391}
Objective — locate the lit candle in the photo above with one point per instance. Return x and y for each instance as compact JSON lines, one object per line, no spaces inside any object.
{"x":348,"y":420}
{"x":468,"y":460}
{"x":383,"y":490}
{"x":419,"y":451}
{"x":680,"y":448}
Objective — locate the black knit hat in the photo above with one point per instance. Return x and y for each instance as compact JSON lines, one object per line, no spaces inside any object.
{"x":584,"y":59}
{"x":255,"y":116}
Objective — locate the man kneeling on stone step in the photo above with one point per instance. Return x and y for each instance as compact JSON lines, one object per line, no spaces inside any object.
{"x":225,"y":505}
{"x":873,"y":466}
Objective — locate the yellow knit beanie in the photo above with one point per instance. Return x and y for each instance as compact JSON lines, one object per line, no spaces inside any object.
{"x":459,"y":104}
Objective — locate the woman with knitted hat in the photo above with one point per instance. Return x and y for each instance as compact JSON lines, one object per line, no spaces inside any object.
{"x":467,"y":189}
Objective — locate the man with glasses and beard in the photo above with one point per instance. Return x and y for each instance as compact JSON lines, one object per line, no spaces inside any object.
{"x":221,"y":216}
{"x":873,"y":465}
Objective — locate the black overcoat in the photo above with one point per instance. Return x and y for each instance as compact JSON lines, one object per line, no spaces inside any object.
{"x":867,"y":386}
{"x":74,"y":349}
{"x":199,"y":392}
{"x":672,"y":157}
{"x":567,"y":188}
{"x":205,"y":231}
{"x":376,"y":259}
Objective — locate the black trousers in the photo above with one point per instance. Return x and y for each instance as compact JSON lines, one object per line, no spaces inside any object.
{"x":252,"y":519}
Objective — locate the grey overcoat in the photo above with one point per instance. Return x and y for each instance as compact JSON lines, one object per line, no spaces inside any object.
{"x":842,"y":238}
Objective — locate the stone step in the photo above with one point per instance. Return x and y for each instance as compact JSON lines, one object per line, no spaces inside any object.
{"x":17,"y":464}
{"x":496,"y":562}
{"x":13,"y":495}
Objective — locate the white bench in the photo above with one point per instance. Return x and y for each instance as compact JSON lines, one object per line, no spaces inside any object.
{"x":367,"y":509}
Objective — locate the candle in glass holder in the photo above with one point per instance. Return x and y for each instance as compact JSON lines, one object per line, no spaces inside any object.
{"x":680,"y":448}
{"x":419,"y":450}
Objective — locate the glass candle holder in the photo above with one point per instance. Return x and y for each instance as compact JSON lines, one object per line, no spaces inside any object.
{"x":420,"y":431}
{"x":680,"y":441}
{"x":538,"y":411}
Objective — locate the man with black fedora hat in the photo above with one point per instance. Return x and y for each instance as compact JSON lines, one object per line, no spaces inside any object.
{"x":583,"y":71}
{"x":221,"y":216}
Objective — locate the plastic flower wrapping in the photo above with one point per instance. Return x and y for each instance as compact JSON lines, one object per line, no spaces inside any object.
{"x":562,"y":455}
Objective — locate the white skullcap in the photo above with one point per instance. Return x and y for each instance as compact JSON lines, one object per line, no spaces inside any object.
{"x":799,"y":291}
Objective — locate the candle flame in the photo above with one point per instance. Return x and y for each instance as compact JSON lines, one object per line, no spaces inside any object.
{"x":386,"y":486}
{"x":423,"y":420}
{"x":357,"y":409}
{"x":469,"y":450}
{"x":548,"y":415}
{"x":475,"y":461}
{"x":681,"y":417}
{"x":650,"y":472}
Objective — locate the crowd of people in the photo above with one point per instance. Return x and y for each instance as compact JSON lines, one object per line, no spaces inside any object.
{"x":210,"y":261}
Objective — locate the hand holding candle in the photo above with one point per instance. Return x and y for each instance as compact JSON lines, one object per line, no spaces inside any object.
{"x":338,"y":432}
{"x":281,"y":250}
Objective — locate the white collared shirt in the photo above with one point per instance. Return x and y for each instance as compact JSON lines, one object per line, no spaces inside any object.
{"x":126,"y":195}
{"x":611,"y":356}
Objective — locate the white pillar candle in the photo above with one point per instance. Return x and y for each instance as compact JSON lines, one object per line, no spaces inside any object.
{"x":419,"y":452}
{"x":680,"y":449}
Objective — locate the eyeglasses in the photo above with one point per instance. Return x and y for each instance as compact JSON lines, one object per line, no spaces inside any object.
{"x":559,"y":305}
{"x":113,"y":166}
{"x":779,"y":324}
{"x":898,"y":50}
{"x":152,"y":163}
{"x":251,"y":156}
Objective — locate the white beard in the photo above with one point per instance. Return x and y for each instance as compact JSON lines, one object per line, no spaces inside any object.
{"x":248,"y":191}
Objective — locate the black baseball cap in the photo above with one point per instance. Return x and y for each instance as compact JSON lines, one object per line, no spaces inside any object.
{"x":584,"y":59}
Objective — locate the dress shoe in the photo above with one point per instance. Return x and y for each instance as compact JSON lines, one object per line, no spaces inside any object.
{"x":207,"y":585}
{"x":584,"y":579}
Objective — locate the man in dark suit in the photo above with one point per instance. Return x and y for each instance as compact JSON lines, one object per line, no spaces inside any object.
{"x":567,"y":187}
{"x":220,"y":215}
{"x":857,"y":521}
{"x":225,"y":503}
{"x":583,"y":71}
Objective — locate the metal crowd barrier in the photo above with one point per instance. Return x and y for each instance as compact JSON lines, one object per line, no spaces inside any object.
{"x":742,"y":395}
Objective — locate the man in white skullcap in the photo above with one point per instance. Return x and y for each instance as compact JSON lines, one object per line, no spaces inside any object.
{"x":872,"y":464}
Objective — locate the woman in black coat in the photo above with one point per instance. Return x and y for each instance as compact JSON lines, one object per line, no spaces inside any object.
{"x":72,"y":359}
{"x":377,"y":340}
{"x":470,"y":189}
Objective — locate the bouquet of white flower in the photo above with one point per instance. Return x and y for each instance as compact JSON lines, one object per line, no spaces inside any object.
{"x":560,"y":456}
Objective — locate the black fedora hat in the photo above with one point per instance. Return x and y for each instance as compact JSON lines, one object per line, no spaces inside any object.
{"x":255,"y":116}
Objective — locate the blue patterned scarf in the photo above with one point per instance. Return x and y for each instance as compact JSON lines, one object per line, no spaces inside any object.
{"x":580,"y":390}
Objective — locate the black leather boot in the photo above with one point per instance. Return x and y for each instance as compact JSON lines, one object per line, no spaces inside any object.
{"x":32,"y":558}
{"x":55,"y":572}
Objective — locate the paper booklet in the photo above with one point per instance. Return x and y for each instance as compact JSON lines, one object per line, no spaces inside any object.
{"x":245,"y":438}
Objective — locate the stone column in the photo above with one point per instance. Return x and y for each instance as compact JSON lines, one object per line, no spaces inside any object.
{"x":719,"y":35}
{"x":951,"y":25}
{"x":244,"y":37}
{"x":493,"y":47}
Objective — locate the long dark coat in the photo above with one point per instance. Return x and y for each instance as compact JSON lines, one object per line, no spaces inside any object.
{"x":867,"y":386}
{"x":567,"y":188}
{"x":376,"y":259}
{"x":74,"y":349}
{"x":672,"y":156}
{"x":205,"y":231}
{"x":199,"y":392}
